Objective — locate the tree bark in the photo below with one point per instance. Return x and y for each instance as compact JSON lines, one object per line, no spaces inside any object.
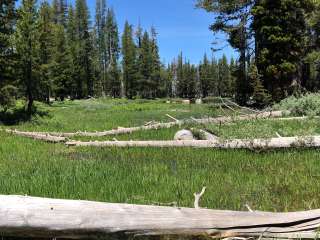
{"x":23,"y":216}
{"x":272,"y":143}
{"x":218,"y":120}
{"x":37,"y":136}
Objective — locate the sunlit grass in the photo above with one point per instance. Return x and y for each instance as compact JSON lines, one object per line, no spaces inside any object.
{"x":274,"y":180}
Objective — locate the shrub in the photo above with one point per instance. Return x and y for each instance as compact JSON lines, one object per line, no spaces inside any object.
{"x":7,"y":97}
{"x":306,"y":105}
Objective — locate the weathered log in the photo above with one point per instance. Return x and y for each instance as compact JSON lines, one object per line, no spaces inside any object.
{"x":272,"y":143}
{"x":218,"y":120}
{"x":38,"y":136}
{"x":23,"y":216}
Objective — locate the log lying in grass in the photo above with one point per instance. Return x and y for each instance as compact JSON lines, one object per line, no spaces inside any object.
{"x":68,"y":219}
{"x":38,"y":136}
{"x":272,"y":143}
{"x":219,"y":120}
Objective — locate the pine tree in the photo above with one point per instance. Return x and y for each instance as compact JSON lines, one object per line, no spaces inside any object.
{"x":72,"y":45}
{"x":260,"y":95}
{"x":100,"y":45}
{"x":7,"y":57}
{"x":214,"y":80}
{"x":145,"y":67}
{"x":129,"y":62}
{"x":27,"y":47}
{"x":280,"y":31}
{"x":60,"y":65}
{"x":180,"y":81}
{"x":83,"y":41}
{"x":224,"y":77}
{"x":205,"y":76}
{"x":233,"y":17}
{"x":60,"y":12}
{"x":113,"y":54}
{"x":46,"y":27}
{"x":156,"y":79}
{"x":233,"y":77}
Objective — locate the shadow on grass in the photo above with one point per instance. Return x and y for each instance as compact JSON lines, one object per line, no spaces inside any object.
{"x":20,"y":115}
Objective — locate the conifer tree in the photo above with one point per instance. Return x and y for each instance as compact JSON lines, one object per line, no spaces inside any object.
{"x":224,"y":77}
{"x":83,"y":41}
{"x":27,"y":47}
{"x":232,"y":17}
{"x":156,"y":65}
{"x":129,"y":61}
{"x":7,"y":57}
{"x":72,"y":45}
{"x":145,"y":67}
{"x":61,"y":64}
{"x":113,"y":54}
{"x":214,"y":81}
{"x":100,"y":45}
{"x":233,"y":78}
{"x":280,"y":31}
{"x":205,"y":76}
{"x":46,"y":28}
{"x":260,"y":95}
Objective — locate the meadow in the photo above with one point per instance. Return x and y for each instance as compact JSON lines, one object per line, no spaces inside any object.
{"x":282,"y":180}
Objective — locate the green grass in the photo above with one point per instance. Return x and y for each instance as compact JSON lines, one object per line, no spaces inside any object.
{"x":275,"y":180}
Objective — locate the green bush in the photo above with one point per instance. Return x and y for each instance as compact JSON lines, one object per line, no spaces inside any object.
{"x":7,"y":97}
{"x":306,"y":105}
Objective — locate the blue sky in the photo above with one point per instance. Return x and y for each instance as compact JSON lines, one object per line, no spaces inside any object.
{"x":181,"y":27}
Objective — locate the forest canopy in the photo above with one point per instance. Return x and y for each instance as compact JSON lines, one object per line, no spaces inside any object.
{"x":58,"y":51}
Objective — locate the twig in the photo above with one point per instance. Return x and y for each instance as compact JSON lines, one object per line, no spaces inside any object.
{"x":197,"y":197}
{"x":278,"y":135}
{"x":169,"y":116}
{"x":249,"y":208}
{"x":148,"y":123}
{"x":249,"y":109}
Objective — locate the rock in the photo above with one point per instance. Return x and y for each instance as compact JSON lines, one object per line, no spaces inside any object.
{"x":199,"y":101}
{"x":184,"y":135}
{"x":186,"y":101}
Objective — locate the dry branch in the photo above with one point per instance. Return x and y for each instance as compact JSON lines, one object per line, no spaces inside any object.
{"x":218,"y":120}
{"x":23,"y":216}
{"x":38,"y":136}
{"x":272,"y":143}
{"x":197,"y":197}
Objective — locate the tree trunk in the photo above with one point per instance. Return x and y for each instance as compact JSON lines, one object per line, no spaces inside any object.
{"x":260,"y":144}
{"x":38,"y":136}
{"x":218,"y":120}
{"x":23,"y":216}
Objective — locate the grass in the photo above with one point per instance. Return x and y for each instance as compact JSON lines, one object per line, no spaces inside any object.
{"x":283,"y":180}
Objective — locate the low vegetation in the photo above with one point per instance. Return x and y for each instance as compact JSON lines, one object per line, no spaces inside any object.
{"x":273,"y":180}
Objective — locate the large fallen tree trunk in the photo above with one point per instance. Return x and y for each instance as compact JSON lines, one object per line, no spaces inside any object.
{"x":218,"y":120}
{"x":22,"y":216}
{"x":38,"y":136}
{"x":272,"y":143}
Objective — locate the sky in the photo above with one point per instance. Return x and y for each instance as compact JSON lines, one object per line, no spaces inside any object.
{"x":180,"y":26}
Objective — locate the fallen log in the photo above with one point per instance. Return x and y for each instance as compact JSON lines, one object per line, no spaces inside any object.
{"x":38,"y":136}
{"x":218,"y":120}
{"x":271,"y":143}
{"x":23,"y":216}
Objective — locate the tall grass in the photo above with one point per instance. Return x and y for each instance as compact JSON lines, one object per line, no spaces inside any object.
{"x":273,"y":180}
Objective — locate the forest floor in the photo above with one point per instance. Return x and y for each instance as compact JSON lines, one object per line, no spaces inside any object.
{"x":281,"y":180}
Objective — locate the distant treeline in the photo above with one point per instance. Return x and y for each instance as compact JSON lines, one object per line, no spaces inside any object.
{"x":55,"y":51}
